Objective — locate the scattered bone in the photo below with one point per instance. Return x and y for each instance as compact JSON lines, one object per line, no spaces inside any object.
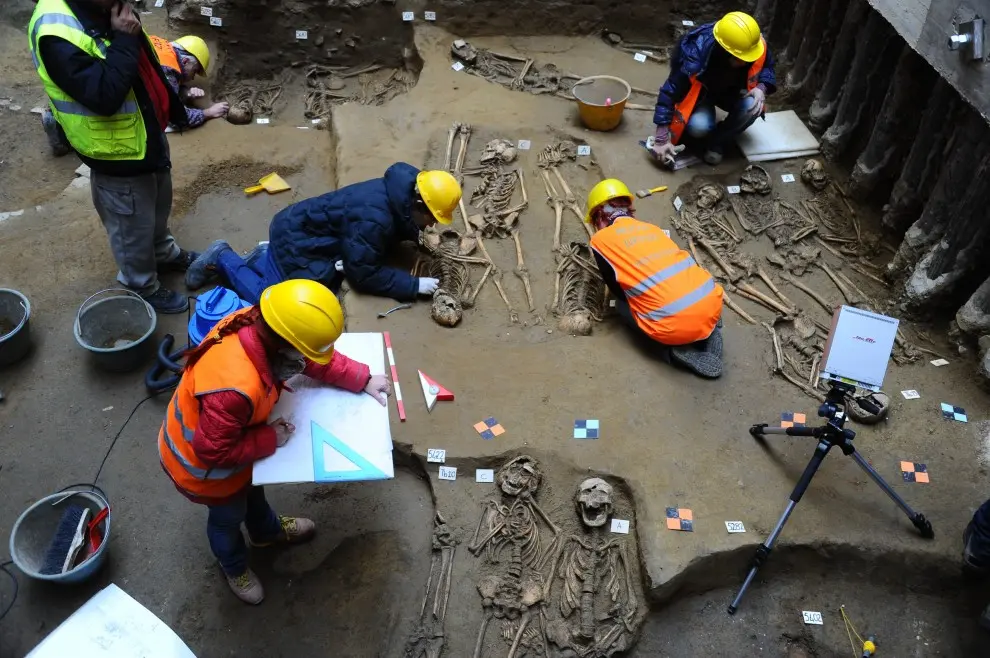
{"x":813,"y":173}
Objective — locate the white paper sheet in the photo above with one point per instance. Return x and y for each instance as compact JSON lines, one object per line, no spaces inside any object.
{"x":340,"y":436}
{"x":112,"y":625}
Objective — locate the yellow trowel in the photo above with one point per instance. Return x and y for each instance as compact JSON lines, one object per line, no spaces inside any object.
{"x":272,"y":183}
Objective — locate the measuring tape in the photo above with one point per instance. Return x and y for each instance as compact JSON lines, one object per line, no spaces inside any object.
{"x":395,"y":377}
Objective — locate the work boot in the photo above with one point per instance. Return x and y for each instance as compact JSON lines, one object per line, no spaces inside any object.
{"x":56,"y":136}
{"x":181,"y":263}
{"x":713,"y":154}
{"x":295,"y":530}
{"x":204,"y":267}
{"x":167,"y":301}
{"x":247,"y":587}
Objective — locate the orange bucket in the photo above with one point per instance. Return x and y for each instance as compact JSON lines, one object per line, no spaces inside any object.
{"x":601,"y":100}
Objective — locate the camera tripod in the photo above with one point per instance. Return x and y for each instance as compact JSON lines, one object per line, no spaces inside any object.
{"x":831,"y":435}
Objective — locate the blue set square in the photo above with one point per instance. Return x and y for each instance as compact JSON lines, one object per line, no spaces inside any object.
{"x":586,"y":429}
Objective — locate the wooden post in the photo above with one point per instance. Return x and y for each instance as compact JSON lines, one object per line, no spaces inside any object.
{"x":865,"y":85}
{"x":924,"y":161}
{"x":896,"y":124}
{"x":822,"y":110}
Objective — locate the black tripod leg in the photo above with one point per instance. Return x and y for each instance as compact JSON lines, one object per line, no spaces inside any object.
{"x":764,"y":549}
{"x":923,"y":525}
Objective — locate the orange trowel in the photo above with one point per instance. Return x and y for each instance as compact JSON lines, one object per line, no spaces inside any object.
{"x":272,"y":183}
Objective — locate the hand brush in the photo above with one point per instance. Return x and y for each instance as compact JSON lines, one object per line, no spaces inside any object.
{"x":69,"y":538}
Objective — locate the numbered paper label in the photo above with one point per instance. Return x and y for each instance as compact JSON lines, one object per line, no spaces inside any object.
{"x":159,"y":3}
{"x":733,"y":189}
{"x":302,"y":34}
{"x":938,"y":363}
{"x":262,"y":120}
{"x":408,"y":16}
{"x":735,"y":526}
{"x":640,"y":57}
{"x":206,"y":11}
{"x":430,"y":15}
{"x":620,"y":526}
{"x":457,"y":66}
{"x":787,"y":178}
{"x":216,"y":22}
{"x":678,"y":204}
{"x":813,"y":617}
{"x":484,"y":475}
{"x":687,"y":23}
{"x":911,"y":394}
{"x":436,"y":455}
{"x":584,"y":150}
{"x":448,"y":473}
{"x":524,"y":144}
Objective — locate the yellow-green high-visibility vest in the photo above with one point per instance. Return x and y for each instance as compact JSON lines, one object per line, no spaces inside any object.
{"x":118,"y":137}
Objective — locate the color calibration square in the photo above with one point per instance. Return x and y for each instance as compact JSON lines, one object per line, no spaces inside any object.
{"x":792,"y":419}
{"x":914,"y":472}
{"x":489,"y":428}
{"x":679,"y":518}
{"x":586,"y":429}
{"x":950,"y":412}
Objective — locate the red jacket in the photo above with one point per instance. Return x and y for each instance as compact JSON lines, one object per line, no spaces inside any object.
{"x":224,"y":437}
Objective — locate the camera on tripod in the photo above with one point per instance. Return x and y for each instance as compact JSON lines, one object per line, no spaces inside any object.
{"x":856,"y":355}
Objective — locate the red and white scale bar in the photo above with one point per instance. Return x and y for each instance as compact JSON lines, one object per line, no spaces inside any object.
{"x":395,"y":377}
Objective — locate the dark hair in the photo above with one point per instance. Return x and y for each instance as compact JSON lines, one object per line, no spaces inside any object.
{"x":227,"y":327}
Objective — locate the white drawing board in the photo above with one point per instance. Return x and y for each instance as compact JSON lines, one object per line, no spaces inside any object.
{"x":340,"y":436}
{"x":112,"y":625}
{"x":858,"y":347}
{"x":782,"y":135}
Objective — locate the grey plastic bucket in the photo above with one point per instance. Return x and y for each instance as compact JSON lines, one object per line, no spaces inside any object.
{"x":34,"y":529}
{"x":115,"y":326}
{"x":15,"y":329}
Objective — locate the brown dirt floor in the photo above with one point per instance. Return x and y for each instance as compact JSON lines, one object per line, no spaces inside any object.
{"x":673,"y":439}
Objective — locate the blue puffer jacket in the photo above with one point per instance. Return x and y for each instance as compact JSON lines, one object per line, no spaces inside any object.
{"x":357,"y":224}
{"x":690,"y":57}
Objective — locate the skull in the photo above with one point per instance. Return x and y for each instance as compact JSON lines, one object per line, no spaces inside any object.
{"x":464,"y":51}
{"x":813,"y":173}
{"x":594,"y":501}
{"x":755,"y":180}
{"x":709,"y":195}
{"x":498,"y":151}
{"x":519,"y":477}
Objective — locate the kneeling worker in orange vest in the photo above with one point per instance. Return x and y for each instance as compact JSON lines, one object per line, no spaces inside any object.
{"x":659,"y":289}
{"x":217,"y":423}
{"x":725,"y":64}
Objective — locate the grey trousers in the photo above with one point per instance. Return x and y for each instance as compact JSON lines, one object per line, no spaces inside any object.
{"x":135,"y":211}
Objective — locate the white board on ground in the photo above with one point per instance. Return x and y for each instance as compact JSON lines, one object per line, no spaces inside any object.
{"x":112,"y":625}
{"x":340,"y":436}
{"x":783,"y":135}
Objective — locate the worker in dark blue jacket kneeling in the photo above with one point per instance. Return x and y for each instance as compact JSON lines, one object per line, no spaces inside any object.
{"x":344,"y":233}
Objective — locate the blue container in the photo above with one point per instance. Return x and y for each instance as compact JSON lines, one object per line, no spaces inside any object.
{"x":211,"y":307}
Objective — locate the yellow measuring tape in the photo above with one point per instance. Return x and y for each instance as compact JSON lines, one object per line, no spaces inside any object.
{"x":869,"y":647}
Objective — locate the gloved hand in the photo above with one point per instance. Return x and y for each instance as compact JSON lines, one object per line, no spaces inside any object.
{"x":664,"y":148}
{"x":759,"y":97}
{"x":428,"y":286}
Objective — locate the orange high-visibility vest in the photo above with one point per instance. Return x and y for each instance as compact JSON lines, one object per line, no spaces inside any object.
{"x":224,"y":367}
{"x":674,"y":300}
{"x":683,"y":110}
{"x":165,"y":52}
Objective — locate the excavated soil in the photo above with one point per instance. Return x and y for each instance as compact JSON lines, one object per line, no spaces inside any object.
{"x":668,"y":439}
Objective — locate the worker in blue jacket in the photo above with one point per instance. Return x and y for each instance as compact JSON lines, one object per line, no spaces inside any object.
{"x":725,"y":65}
{"x":347,"y":232}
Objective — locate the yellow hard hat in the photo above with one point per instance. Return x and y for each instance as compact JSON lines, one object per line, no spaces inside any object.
{"x":197,"y":48}
{"x":440,"y":192}
{"x":739,"y":34}
{"x":306,"y":314}
{"x":608,"y":189}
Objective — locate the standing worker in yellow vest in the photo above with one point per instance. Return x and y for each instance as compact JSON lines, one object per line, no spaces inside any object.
{"x":725,"y":65}
{"x":659,"y":289}
{"x":107,"y":91}
{"x":182,"y":60}
{"x":217,"y":424}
